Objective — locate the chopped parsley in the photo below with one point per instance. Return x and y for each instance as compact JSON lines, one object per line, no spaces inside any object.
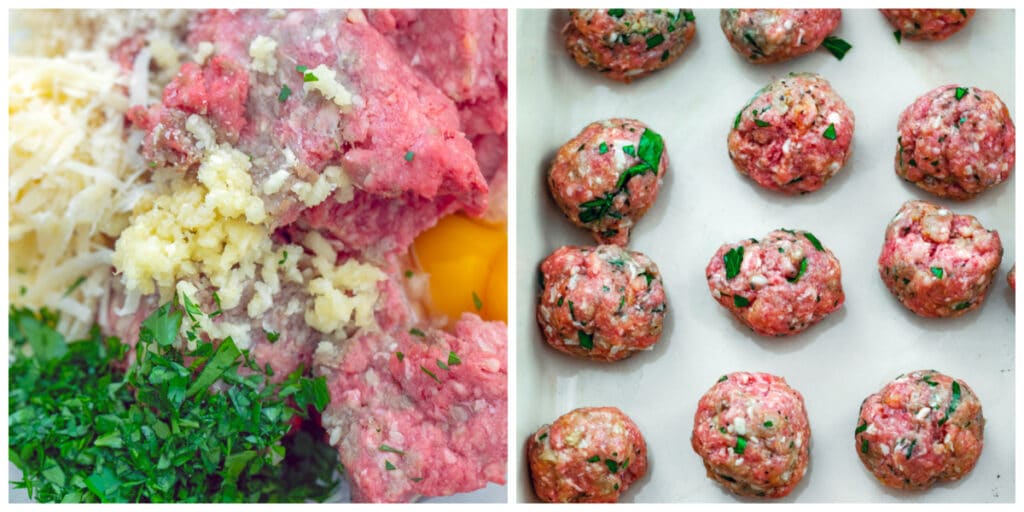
{"x":899,"y":39}
{"x":655,"y":40}
{"x":602,"y":148}
{"x":648,"y":276}
{"x":830,"y":132}
{"x":595,"y":209}
{"x":723,"y":378}
{"x":864,"y":442}
{"x":409,"y":155}
{"x":595,"y":458}
{"x":861,"y":428}
{"x":740,"y":301}
{"x":308,"y":76}
{"x":768,"y":424}
{"x":762,"y":123}
{"x":800,"y":272}
{"x":629,"y":150}
{"x":285,"y":93}
{"x":441,"y":365}
{"x":220,"y":310}
{"x":389,"y":466}
{"x":910,"y":449}
{"x":301,"y":69}
{"x":688,"y":15}
{"x":283,"y":259}
{"x":741,"y":445}
{"x":937,"y":272}
{"x":963,"y":305}
{"x":616,"y":13}
{"x":416,"y":332}
{"x":430,"y":373}
{"x":954,"y":402}
{"x":931,"y":383}
{"x":838,"y":47}
{"x":960,"y":93}
{"x":814,"y":241}
{"x":272,"y":336}
{"x":586,"y":339}
{"x":400,"y":356}
{"x":963,"y":12}
{"x":453,"y":358}
{"x":613,"y":466}
{"x":388,"y":449}
{"x":733,"y":260}
{"x":408,"y":274}
{"x":477,"y":303}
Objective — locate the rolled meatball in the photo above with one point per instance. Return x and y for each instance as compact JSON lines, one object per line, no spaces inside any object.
{"x":779,"y":285}
{"x":793,"y":135}
{"x":628,"y":43}
{"x":765,"y":36}
{"x":927,"y":24}
{"x":606,"y":178}
{"x":751,"y":429}
{"x":601,"y":303}
{"x":938,"y":263}
{"x":589,"y":455}
{"x":922,"y":427}
{"x":956,"y":142}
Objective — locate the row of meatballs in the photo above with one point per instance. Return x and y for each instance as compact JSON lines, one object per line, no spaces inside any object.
{"x":625,"y":44}
{"x":605,"y":303}
{"x":792,"y":137}
{"x":753,"y":434}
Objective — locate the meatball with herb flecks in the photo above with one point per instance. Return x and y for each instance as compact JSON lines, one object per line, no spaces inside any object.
{"x":927,"y":24}
{"x":938,"y":263}
{"x":624,"y":44}
{"x":921,"y":428}
{"x":793,"y":136}
{"x":752,"y":432}
{"x":607,"y":177}
{"x":779,"y":285}
{"x":589,"y":455}
{"x":602,"y":303}
{"x":956,"y":142}
{"x":765,"y":36}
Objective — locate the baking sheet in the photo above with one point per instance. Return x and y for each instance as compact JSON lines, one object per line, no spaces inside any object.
{"x":705,"y":202}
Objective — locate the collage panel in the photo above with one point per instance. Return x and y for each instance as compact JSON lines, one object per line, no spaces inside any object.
{"x":258,"y":255}
{"x":765,"y":255}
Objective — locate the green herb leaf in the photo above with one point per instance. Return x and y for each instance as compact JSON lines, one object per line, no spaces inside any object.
{"x":453,"y":358}
{"x":830,"y":132}
{"x":723,"y":378}
{"x":814,"y":241}
{"x":388,"y":449}
{"x":310,"y":77}
{"x":430,"y":373}
{"x":441,"y":364}
{"x":741,"y":445}
{"x":586,"y":339}
{"x":861,"y":428}
{"x":301,"y":69}
{"x":616,"y":13}
{"x":733,"y":260}
{"x":910,"y":449}
{"x":960,"y":93}
{"x":962,"y":305}
{"x":836,"y":46}
{"x":688,"y":15}
{"x":162,"y":326}
{"x":74,"y":286}
{"x":416,"y":332}
{"x":864,"y":441}
{"x":899,"y":39}
{"x":284,"y":258}
{"x":954,"y":402}
{"x":388,"y":466}
{"x":655,"y":40}
{"x":595,"y":458}
{"x":285,"y":93}
{"x":223,"y":359}
{"x":937,"y":272}
{"x":613,"y":466}
{"x":272,"y":336}
{"x":740,"y":301}
{"x":602,"y":148}
{"x":768,"y":424}
{"x":802,"y":270}
{"x":408,"y":274}
{"x":477,"y":303}
{"x":400,"y":356}
{"x":762,"y":123}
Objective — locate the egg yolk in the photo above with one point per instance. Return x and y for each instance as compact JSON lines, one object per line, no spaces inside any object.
{"x":467,"y":262}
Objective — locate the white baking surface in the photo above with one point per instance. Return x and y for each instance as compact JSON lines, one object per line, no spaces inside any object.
{"x":705,"y":202}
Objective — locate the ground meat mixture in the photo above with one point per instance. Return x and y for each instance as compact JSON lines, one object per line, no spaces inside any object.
{"x":607,"y":177}
{"x":927,"y":24}
{"x":793,"y":135}
{"x":956,"y":142}
{"x":752,"y":432}
{"x":921,"y":428}
{"x":601,"y":303}
{"x":625,"y":44}
{"x":765,"y":36}
{"x":589,"y":455}
{"x":938,"y":263}
{"x":779,"y":285}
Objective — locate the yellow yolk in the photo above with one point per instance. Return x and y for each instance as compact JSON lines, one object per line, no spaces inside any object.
{"x":468,"y":268}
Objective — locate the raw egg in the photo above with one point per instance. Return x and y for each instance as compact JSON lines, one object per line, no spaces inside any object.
{"x":467,"y":262}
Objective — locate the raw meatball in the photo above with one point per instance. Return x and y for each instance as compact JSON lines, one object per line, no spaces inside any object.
{"x":628,"y":43}
{"x":1012,"y":278}
{"x":922,"y":427}
{"x":606,"y":178}
{"x":590,"y":455}
{"x":602,"y":303}
{"x":938,"y":263}
{"x":927,"y":24}
{"x":764,"y":36}
{"x":793,"y":135}
{"x":956,"y":142}
{"x":779,"y":285}
{"x":751,"y":429}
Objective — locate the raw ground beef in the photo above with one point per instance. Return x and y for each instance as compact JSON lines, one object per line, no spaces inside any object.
{"x":765,"y":36}
{"x":928,"y":24}
{"x":420,"y":415}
